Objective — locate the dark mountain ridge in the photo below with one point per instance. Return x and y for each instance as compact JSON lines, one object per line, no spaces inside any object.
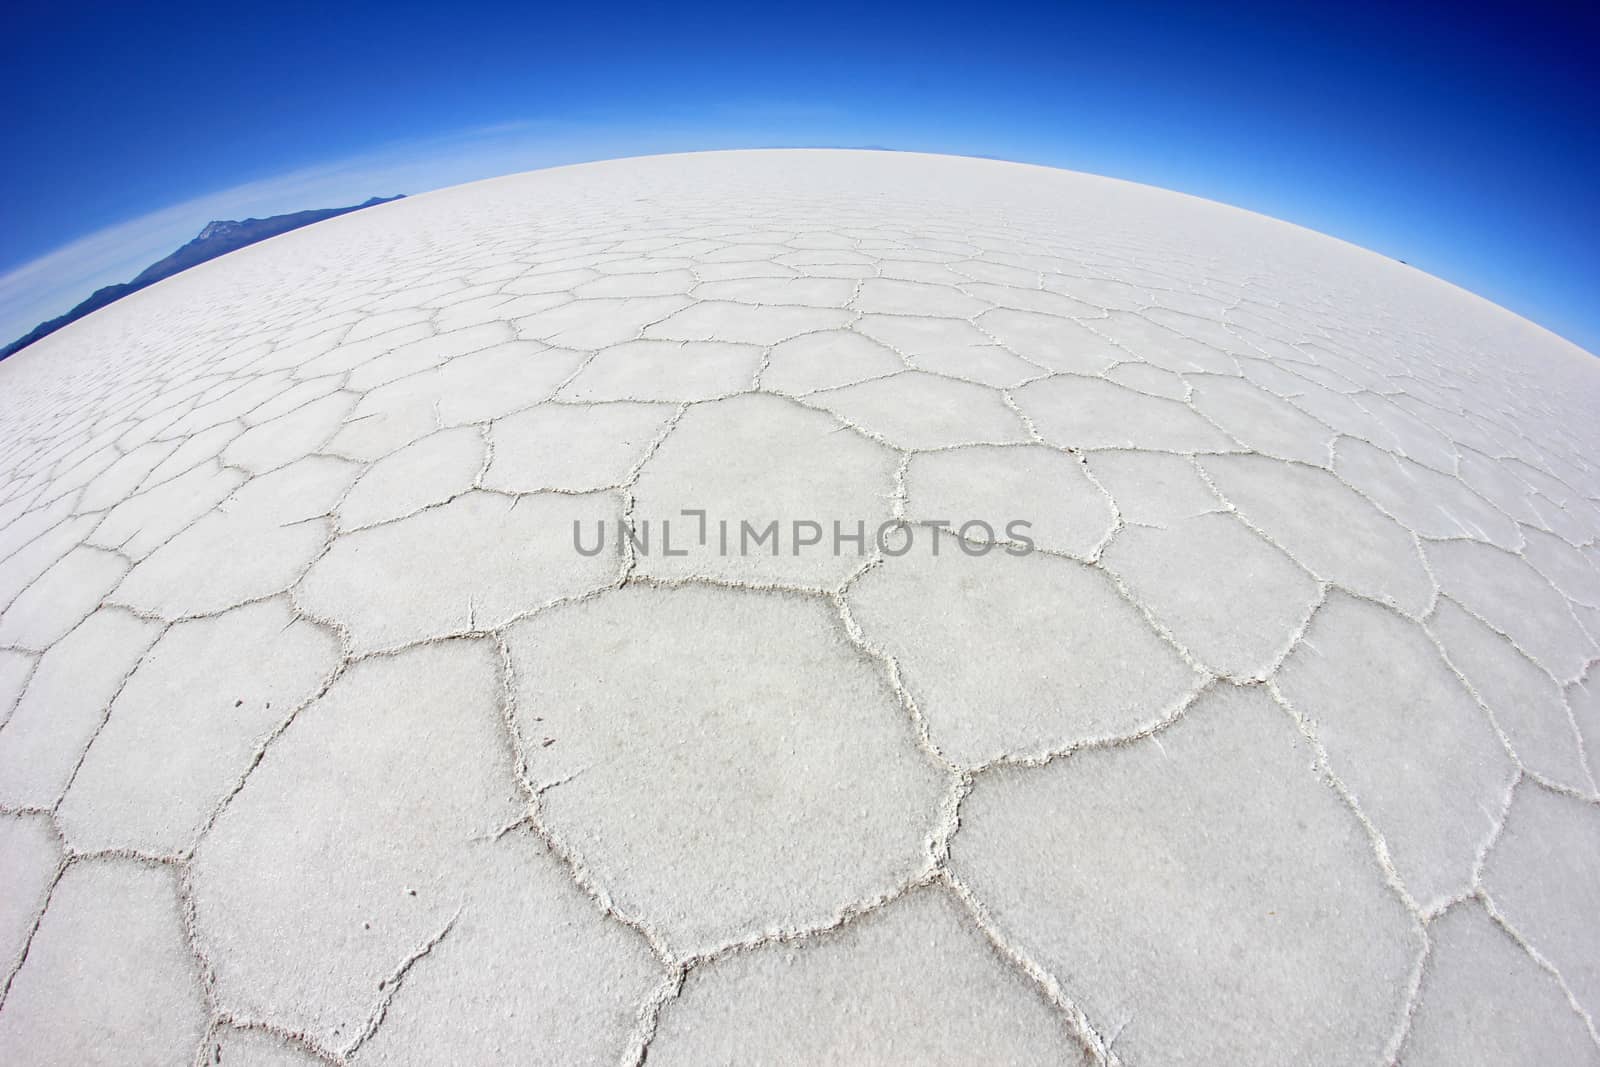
{"x":216,"y":238}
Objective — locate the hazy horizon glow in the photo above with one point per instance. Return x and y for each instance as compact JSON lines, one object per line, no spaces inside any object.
{"x":1466,"y":148}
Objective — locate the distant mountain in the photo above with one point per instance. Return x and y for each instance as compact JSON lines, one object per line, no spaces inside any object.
{"x":215,"y":239}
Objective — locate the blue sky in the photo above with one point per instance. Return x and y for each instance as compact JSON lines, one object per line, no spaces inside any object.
{"x":1467,"y":145}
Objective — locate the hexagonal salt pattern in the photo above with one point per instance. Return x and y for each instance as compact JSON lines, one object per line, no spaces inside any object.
{"x":799,"y":607}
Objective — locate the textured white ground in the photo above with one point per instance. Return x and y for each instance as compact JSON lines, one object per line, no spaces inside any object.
{"x":321,"y":742}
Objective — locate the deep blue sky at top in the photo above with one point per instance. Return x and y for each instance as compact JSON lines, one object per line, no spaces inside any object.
{"x":1466,"y":143}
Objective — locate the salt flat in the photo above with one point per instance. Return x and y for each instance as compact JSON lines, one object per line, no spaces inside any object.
{"x":388,"y":674}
